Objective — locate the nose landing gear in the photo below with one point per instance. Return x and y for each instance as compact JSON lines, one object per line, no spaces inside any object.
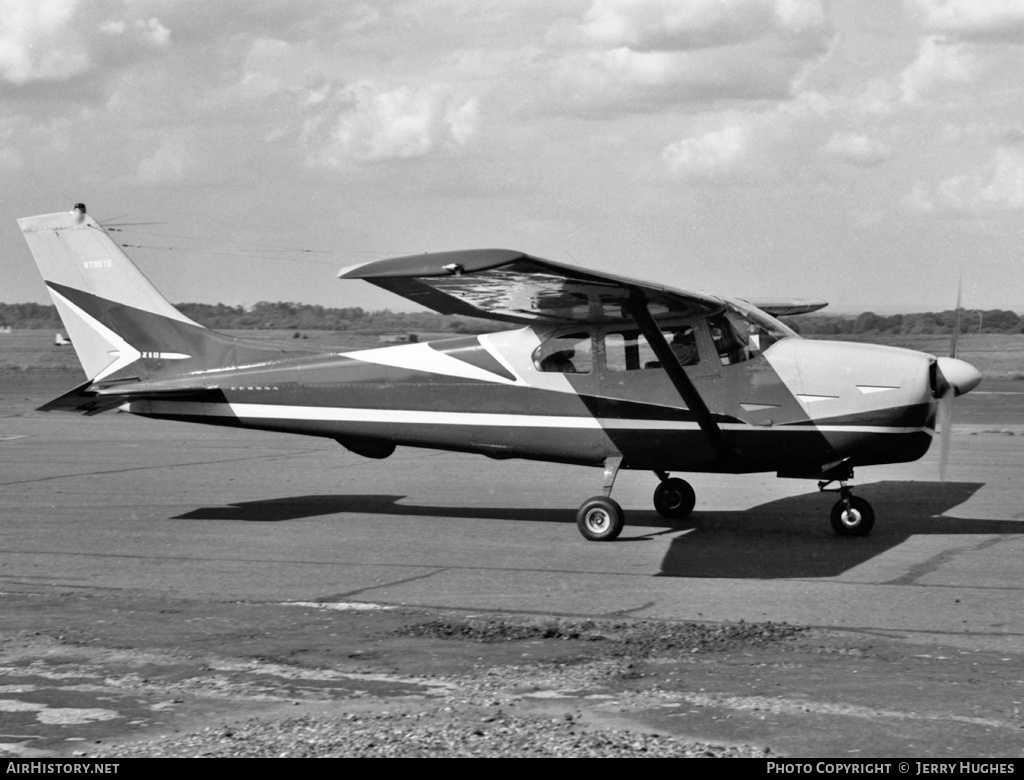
{"x":851,"y":515}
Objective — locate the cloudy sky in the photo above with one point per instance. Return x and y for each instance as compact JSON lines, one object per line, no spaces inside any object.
{"x":866,"y":152}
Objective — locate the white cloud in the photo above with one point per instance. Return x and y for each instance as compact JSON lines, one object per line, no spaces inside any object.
{"x":640,"y":55}
{"x":114,"y":27}
{"x":363,"y":121}
{"x":708,"y":154}
{"x":998,"y":19}
{"x":857,"y":149}
{"x":939,"y":63}
{"x":918,"y":200}
{"x":462,"y":120}
{"x":58,"y":40}
{"x":878,"y":98}
{"x":997,"y":187}
{"x":1000,"y":187}
{"x":168,"y":164}
{"x":154,"y":32}
{"x":39,"y":42}
{"x":625,"y":65}
{"x":150,"y":31}
{"x":672,"y":25}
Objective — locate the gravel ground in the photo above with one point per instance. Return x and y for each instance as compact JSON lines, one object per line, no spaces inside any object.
{"x":432,"y":734}
{"x":639,"y":638}
{"x":478,"y":716}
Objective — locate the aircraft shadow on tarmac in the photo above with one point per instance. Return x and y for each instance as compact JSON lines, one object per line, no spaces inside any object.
{"x":792,"y":537}
{"x":787,"y":538}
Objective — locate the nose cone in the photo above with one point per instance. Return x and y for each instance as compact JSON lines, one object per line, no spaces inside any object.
{"x":961,"y":376}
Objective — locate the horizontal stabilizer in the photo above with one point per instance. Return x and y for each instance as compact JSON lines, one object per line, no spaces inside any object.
{"x":91,"y":398}
{"x":81,"y":399}
{"x":777,"y":308}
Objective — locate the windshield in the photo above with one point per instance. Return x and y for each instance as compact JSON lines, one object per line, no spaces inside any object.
{"x":743,"y":332}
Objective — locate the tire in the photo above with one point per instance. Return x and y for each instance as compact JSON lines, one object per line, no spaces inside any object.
{"x":600,"y":519}
{"x":857,"y":522}
{"x":674,"y":498}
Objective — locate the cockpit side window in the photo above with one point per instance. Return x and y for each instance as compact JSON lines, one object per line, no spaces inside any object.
{"x":741,"y":334}
{"x":730,"y":342}
{"x":567,"y":353}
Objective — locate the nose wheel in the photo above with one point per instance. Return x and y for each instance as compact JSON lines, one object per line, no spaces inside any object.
{"x":855,"y":519}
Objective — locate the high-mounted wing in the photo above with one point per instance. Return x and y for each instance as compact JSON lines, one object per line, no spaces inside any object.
{"x":503,"y":284}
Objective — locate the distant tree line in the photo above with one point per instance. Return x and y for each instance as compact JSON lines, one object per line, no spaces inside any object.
{"x":26,"y":316}
{"x":275,"y":316}
{"x":870,"y":324}
{"x":301,"y":316}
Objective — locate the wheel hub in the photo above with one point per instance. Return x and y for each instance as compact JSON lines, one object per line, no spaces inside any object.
{"x":598,"y":520}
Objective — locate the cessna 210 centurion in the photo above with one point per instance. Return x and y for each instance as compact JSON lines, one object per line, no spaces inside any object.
{"x":602,"y":370}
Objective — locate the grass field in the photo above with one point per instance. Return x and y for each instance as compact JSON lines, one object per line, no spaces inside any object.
{"x":998,"y":356}
{"x":26,"y":350}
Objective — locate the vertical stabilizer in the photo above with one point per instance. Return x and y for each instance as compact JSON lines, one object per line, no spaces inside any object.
{"x":106,"y":303}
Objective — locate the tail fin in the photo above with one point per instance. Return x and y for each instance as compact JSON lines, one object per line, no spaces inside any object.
{"x":111,"y":311}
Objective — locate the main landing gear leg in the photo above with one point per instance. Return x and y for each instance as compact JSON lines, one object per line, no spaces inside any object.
{"x":851,"y":515}
{"x":673,"y":498}
{"x":600,"y":518}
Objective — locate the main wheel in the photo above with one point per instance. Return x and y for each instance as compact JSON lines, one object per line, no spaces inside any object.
{"x":674,"y":498}
{"x":855,"y":521}
{"x":600,"y":519}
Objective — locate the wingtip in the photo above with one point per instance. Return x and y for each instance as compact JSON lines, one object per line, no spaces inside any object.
{"x":431,"y":264}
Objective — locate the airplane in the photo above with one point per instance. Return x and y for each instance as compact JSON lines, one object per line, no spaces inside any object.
{"x":599,"y":370}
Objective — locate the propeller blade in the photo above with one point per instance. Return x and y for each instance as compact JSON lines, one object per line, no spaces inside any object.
{"x":953,"y":345}
{"x":945,"y":421}
{"x":952,"y":377}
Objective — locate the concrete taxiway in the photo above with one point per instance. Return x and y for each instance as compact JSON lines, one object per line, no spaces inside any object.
{"x":121,"y":503}
{"x":144,"y":566}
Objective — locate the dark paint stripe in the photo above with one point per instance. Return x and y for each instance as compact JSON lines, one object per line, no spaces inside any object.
{"x":763,"y":449}
{"x":470,"y":350}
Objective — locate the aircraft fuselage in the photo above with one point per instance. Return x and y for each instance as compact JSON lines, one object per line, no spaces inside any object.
{"x":793,"y":408}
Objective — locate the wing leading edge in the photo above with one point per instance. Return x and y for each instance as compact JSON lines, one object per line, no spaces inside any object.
{"x":507,"y":285}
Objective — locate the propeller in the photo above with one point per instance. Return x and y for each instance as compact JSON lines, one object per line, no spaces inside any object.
{"x":951,"y":377}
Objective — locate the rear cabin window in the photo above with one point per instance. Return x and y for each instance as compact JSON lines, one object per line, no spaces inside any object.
{"x":629,"y":350}
{"x":569,"y":353}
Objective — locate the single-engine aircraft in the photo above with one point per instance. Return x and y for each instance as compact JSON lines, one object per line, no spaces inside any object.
{"x":603,"y":370}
